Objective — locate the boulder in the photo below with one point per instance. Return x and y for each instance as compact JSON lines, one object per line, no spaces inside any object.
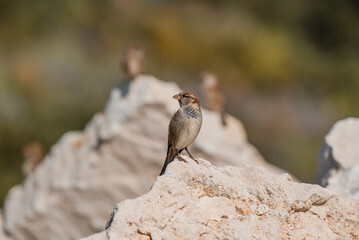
{"x":118,"y":156}
{"x":201,"y":201}
{"x":338,"y":161}
{"x":2,"y":233}
{"x":345,"y":182}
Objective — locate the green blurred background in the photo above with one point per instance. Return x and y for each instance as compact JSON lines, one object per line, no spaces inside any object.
{"x":289,"y":69}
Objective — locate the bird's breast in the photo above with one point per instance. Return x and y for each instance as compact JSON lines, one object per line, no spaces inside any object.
{"x":188,"y":132}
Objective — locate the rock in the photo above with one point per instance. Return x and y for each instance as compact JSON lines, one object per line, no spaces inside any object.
{"x":343,"y":138}
{"x":345,"y":182}
{"x":2,"y":233}
{"x":117,"y":156}
{"x":338,"y":161}
{"x":205,"y":202}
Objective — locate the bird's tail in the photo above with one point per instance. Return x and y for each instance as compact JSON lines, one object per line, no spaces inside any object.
{"x":223,"y":118}
{"x":171,"y":153}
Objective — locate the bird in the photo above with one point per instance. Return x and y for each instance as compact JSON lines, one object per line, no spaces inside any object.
{"x":33,"y":154}
{"x":212,"y":96}
{"x":132,"y":62}
{"x":183,"y":128}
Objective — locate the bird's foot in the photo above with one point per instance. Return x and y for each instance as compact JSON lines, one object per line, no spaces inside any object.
{"x":181,"y":159}
{"x":195,"y":160}
{"x":190,"y":155}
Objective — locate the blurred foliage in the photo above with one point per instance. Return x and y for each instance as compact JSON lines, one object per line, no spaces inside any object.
{"x":289,"y":68}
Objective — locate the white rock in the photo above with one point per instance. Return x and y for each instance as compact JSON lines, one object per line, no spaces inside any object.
{"x":338,"y":162}
{"x":117,"y":156}
{"x":205,"y":202}
{"x":2,"y":233}
{"x":345,"y":182}
{"x":343,"y":138}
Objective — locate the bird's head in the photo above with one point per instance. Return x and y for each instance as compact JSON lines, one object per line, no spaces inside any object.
{"x":186,"y":98}
{"x":134,"y":53}
{"x":208,"y":80}
{"x":132,"y":62}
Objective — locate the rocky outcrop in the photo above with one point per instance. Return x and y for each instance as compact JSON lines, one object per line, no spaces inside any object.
{"x":200,"y":201}
{"x":338,"y":161}
{"x":2,"y":233}
{"x":117,"y":156}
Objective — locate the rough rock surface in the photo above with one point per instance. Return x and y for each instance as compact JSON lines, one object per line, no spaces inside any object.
{"x":205,"y":202}
{"x":338,"y":161}
{"x":116,"y":157}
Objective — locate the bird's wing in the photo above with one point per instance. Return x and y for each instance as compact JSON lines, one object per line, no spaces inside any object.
{"x":177,"y":123}
{"x":217,"y":96}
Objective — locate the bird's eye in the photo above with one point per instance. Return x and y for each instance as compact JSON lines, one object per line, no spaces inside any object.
{"x":185,"y":96}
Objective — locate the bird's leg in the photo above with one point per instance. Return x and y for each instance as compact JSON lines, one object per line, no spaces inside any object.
{"x":179,"y":156}
{"x":190,"y":155}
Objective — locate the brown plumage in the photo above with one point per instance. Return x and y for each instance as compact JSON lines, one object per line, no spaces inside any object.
{"x":183,"y":128}
{"x":132,"y":62}
{"x":212,"y":97}
{"x":33,"y":154}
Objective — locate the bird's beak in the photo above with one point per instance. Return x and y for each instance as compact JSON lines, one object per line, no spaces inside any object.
{"x":178,"y":97}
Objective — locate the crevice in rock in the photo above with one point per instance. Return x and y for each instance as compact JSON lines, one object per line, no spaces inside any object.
{"x":171,"y":219}
{"x":144,"y":234}
{"x":304,"y":206}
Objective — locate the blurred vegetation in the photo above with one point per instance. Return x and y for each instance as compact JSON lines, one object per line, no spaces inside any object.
{"x":290,"y":69}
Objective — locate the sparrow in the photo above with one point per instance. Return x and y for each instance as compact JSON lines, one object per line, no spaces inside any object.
{"x":33,"y":154}
{"x":183,"y":128}
{"x":132,"y":62}
{"x":212,"y":97}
